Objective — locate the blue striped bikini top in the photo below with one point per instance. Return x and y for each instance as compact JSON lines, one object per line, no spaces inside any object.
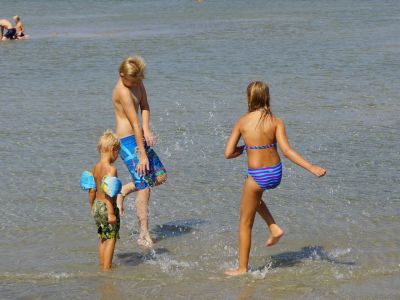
{"x":259,"y":147}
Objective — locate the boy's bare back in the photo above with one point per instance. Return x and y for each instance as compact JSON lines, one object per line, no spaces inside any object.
{"x":6,"y":24}
{"x":100,"y":170}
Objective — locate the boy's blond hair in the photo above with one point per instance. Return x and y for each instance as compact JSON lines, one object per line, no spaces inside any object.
{"x":133,"y":66}
{"x":108,"y":140}
{"x":16,"y":18}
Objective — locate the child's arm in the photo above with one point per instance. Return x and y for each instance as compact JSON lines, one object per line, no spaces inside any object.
{"x":145,"y":108}
{"x":110,"y":200}
{"x":231,"y":148}
{"x":293,"y":155}
{"x":92,"y":196}
{"x":131,"y":113}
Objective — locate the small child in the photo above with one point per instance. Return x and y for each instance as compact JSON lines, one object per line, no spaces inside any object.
{"x":262,"y":132}
{"x":19,"y":26}
{"x":103,"y":200}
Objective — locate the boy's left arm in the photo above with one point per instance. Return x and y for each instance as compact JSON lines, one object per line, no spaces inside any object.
{"x":92,"y":196}
{"x":110,"y":201}
{"x":145,"y":109}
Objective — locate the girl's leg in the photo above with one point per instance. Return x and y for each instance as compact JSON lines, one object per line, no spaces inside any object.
{"x":275,"y":232}
{"x":249,"y":204}
{"x":142,"y":214}
{"x":108,"y":253}
{"x":102,"y":245}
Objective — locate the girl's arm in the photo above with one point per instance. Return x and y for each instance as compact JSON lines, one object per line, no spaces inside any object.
{"x":131,"y":113}
{"x":289,"y":153}
{"x":145,"y":108}
{"x":231,"y":149}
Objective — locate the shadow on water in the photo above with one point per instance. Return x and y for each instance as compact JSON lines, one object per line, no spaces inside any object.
{"x":160,"y":232}
{"x":292,"y":258}
{"x":175,"y":228}
{"x":135,"y":258}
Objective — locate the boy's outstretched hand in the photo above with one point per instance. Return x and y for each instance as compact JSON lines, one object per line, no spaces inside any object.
{"x":317,"y":171}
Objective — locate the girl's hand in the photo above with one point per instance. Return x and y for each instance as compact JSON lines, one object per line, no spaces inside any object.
{"x":112,"y":218}
{"x":148,"y":137}
{"x":317,"y":171}
{"x":143,"y":165}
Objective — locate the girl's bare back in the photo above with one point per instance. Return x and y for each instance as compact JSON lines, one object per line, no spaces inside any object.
{"x":257,"y":130}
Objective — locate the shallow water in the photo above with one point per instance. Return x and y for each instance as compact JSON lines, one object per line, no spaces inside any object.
{"x":333,"y":68}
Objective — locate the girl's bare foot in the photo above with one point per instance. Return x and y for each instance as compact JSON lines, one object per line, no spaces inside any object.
{"x":235,"y":272}
{"x":275,"y":234}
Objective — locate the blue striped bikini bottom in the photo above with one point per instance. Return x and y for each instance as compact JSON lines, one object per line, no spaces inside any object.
{"x":267,"y":178}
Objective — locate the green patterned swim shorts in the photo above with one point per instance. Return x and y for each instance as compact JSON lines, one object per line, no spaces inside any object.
{"x":100,"y":215}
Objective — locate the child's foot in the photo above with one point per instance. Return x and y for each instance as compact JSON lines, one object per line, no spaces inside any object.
{"x":275,"y":234}
{"x":120,"y":204}
{"x":145,"y":241}
{"x":235,"y":272}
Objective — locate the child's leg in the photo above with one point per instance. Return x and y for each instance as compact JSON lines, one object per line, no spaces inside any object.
{"x":108,"y":253}
{"x":125,"y":191}
{"x":160,"y":179}
{"x":275,"y":232}
{"x":102,"y":246}
{"x":142,"y":213}
{"x":249,"y":204}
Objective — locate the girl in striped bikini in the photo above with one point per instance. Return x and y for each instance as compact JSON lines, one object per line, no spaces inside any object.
{"x":262,"y":132}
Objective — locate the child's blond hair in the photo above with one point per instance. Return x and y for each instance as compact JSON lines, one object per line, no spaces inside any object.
{"x":258,"y":97}
{"x":16,"y":18}
{"x":133,"y":66}
{"x":108,"y":140}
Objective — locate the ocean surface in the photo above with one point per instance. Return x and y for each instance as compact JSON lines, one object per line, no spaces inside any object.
{"x":334,"y":73}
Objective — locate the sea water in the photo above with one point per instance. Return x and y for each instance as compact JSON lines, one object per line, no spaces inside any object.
{"x":333,"y":70}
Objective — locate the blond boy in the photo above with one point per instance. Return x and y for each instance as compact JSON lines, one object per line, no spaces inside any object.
{"x":103,"y":186}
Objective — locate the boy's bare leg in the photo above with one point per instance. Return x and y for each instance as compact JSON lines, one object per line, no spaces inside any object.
{"x":108,"y":253}
{"x":161,"y":179}
{"x":250,"y":202}
{"x":102,"y":245}
{"x":275,"y":232}
{"x":125,"y":191}
{"x":142,"y":213}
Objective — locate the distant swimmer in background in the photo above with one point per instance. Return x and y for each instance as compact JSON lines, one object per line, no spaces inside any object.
{"x":137,"y":141}
{"x":103,"y":187}
{"x":261,"y":132}
{"x":10,"y":31}
{"x":20,"y":28}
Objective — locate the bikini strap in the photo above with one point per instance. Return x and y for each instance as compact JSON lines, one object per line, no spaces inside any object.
{"x":260,"y":147}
